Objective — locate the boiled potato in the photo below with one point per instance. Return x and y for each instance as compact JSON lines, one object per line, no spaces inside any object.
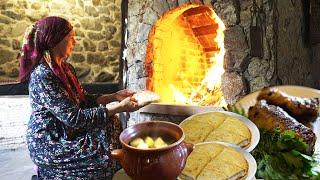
{"x":159,"y":143}
{"x":135,"y":142}
{"x":143,"y":145}
{"x":149,"y":141}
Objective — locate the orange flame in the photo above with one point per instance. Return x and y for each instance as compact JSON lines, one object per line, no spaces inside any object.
{"x":180,"y":67}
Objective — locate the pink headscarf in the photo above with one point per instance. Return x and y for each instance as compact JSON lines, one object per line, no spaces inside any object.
{"x":38,"y":42}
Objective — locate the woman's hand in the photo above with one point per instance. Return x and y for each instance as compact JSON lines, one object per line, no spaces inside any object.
{"x":126,"y":105}
{"x":122,"y":94}
{"x":118,"y":96}
{"x":129,"y":105}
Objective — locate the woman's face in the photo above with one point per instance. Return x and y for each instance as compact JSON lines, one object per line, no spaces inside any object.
{"x":65,"y":47}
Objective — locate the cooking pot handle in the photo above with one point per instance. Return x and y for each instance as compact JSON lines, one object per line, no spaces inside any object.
{"x":117,"y":154}
{"x":189,"y":147}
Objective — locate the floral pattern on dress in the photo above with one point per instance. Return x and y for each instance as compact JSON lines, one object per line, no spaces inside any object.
{"x":66,"y":140}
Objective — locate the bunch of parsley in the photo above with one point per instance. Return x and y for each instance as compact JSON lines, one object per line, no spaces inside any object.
{"x":280,"y":155}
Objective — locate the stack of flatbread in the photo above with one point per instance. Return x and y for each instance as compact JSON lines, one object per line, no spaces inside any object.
{"x":146,"y":97}
{"x":216,"y":126}
{"x":214,"y":161}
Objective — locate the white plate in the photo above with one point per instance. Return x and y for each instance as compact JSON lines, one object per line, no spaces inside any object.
{"x":255,"y":134}
{"x":252,"y":165}
{"x":299,"y":91}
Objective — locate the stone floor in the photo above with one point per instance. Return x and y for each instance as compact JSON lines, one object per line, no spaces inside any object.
{"x":16,"y":164}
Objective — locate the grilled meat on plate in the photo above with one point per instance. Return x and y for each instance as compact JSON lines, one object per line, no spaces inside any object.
{"x":303,"y":109}
{"x":269,"y":117}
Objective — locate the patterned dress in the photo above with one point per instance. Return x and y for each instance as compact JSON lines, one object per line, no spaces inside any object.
{"x":66,"y":140}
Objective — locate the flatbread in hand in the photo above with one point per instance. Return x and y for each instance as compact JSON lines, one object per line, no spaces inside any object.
{"x":146,"y":97}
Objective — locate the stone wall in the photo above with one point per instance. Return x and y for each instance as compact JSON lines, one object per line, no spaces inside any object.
{"x":98,"y":35}
{"x":316,"y":64}
{"x":295,"y":63}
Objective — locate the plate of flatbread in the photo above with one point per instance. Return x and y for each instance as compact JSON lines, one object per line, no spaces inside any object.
{"x":221,"y":126}
{"x":218,"y":160}
{"x":146,"y":97}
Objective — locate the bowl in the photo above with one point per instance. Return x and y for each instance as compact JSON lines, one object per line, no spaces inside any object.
{"x":155,"y":163}
{"x":254,"y":131}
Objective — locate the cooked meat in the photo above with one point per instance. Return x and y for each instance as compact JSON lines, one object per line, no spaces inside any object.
{"x":269,"y":117}
{"x":303,"y":109}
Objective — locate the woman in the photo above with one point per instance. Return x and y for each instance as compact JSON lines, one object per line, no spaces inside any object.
{"x":70,"y":133}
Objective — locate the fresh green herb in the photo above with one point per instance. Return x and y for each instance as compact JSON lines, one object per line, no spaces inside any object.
{"x":236,"y":109}
{"x":280,"y":155}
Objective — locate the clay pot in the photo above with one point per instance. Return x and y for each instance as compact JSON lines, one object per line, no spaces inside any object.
{"x":157,"y":164}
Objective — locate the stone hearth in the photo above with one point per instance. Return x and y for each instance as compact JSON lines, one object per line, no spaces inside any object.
{"x":243,"y":72}
{"x":286,"y":57}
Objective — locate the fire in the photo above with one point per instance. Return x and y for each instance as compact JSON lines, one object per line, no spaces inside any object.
{"x":185,"y":57}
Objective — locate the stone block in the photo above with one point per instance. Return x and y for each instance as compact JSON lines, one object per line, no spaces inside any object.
{"x":4,"y":42}
{"x":228,"y":12}
{"x":13,"y":73}
{"x":80,"y":3}
{"x":105,"y":19}
{"x":160,"y":7}
{"x":78,"y":11}
{"x":5,"y":19}
{"x":95,"y":35}
{"x":114,"y":43}
{"x":91,"y":24}
{"x":235,"y":39}
{"x":107,"y":35}
{"x":7,"y":55}
{"x":172,"y":4}
{"x":89,"y":45}
{"x":96,"y":58}
{"x":36,"y":6}
{"x":233,"y":86}
{"x":258,"y":67}
{"x":96,"y":2}
{"x":4,"y":4}
{"x":236,"y":60}
{"x":103,"y":46}
{"x":12,"y":14}
{"x":111,"y":29}
{"x":150,"y":16}
{"x":104,"y":77}
{"x":78,"y":47}
{"x":82,"y":71}
{"x":19,"y":28}
{"x":91,"y":11}
{"x":258,"y":83}
{"x":16,"y":44}
{"x":77,"y":57}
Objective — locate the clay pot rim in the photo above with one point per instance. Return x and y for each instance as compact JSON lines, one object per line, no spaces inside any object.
{"x":179,"y":141}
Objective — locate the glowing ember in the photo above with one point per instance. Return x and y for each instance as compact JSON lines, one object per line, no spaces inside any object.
{"x":185,"y":57}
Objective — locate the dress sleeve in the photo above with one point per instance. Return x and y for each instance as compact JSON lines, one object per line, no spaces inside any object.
{"x":54,"y":97}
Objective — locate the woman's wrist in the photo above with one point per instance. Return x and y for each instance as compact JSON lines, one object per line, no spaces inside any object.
{"x":106,"y":98}
{"x":114,"y":109}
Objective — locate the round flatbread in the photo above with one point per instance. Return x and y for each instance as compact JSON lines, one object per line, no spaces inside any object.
{"x":216,"y":126}
{"x":146,"y":97}
{"x":215,"y":161}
